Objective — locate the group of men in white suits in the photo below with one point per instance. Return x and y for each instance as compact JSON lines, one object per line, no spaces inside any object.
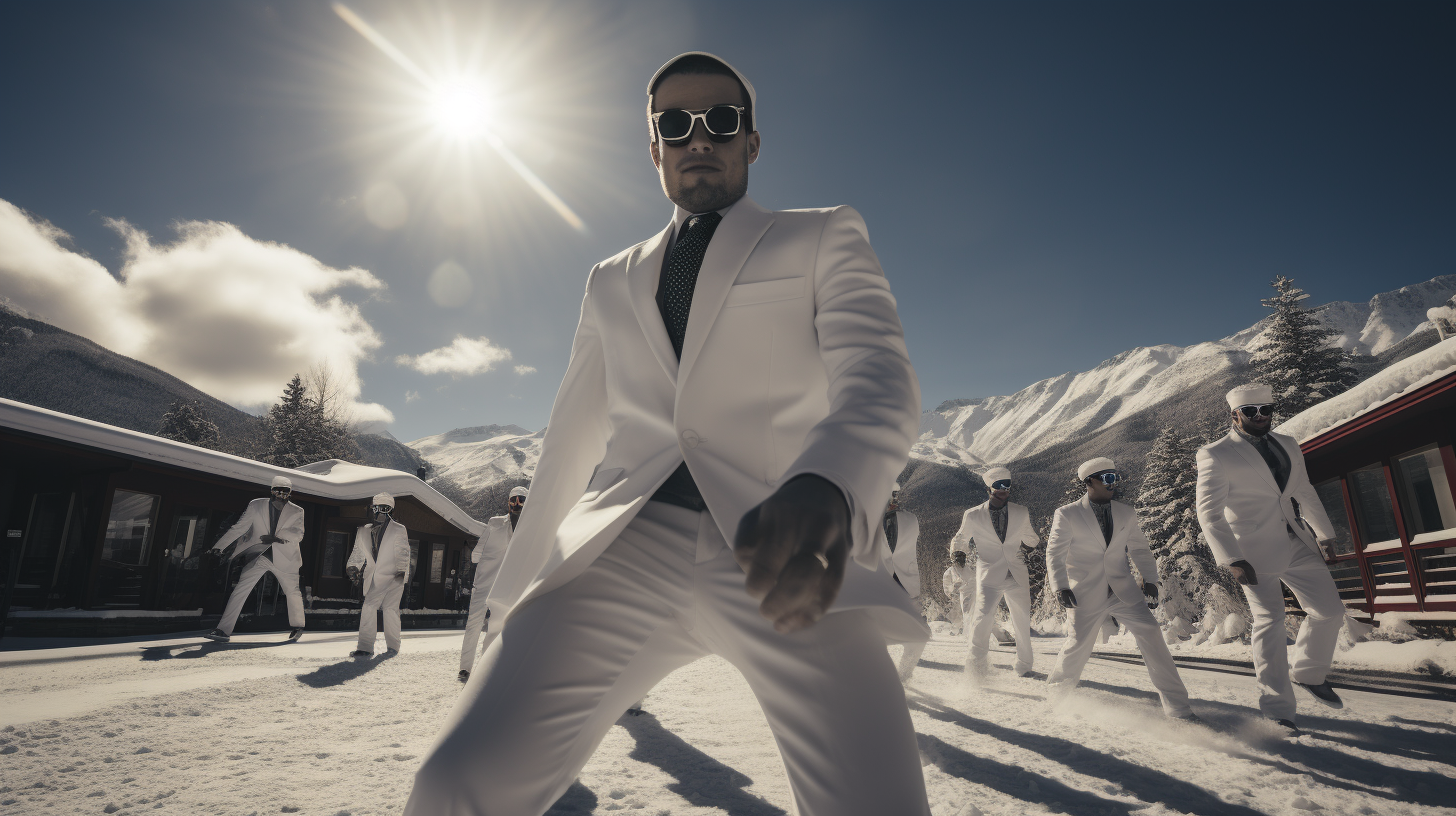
{"x":269,"y":532}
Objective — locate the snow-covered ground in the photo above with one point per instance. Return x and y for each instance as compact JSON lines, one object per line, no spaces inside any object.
{"x":176,"y":726}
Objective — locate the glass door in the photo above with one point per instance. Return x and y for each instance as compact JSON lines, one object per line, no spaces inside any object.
{"x":40,"y":550}
{"x":124,"y":550}
{"x":182,"y":560}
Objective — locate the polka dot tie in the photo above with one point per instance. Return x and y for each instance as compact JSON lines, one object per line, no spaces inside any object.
{"x":675,"y":294}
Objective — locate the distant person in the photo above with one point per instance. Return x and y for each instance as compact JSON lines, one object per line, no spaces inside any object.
{"x":959,"y":583}
{"x":1002,"y":534}
{"x":1265,"y":524}
{"x":899,"y":532}
{"x":487,"y":556}
{"x":1087,"y":562}
{"x":380,"y":565}
{"x":270,"y":530}
{"x":741,"y":376}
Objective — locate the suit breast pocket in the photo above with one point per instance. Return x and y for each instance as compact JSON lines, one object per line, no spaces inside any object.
{"x":748,"y":294}
{"x":600,"y":481}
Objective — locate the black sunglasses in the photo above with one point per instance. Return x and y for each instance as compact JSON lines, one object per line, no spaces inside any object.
{"x":1251,"y":411}
{"x":516,"y":500}
{"x":284,"y":490}
{"x":721,"y":121}
{"x":1003,"y":484}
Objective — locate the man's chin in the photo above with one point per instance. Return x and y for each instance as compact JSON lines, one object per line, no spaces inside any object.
{"x":706,"y":196}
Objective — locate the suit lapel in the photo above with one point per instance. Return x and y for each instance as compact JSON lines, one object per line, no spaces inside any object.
{"x":732,"y":243}
{"x":1253,"y":459}
{"x":642,"y":276}
{"x":1089,"y":520}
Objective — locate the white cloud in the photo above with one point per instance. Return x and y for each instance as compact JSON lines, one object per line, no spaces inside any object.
{"x":463,"y":357}
{"x":525,"y":369}
{"x":411,"y":396}
{"x":231,"y":315}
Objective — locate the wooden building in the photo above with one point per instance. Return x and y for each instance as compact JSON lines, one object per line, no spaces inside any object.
{"x":1381,"y":458}
{"x":106,"y":532}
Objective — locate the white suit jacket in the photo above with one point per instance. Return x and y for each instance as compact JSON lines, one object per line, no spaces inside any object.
{"x":794,"y":362}
{"x":253,"y":525}
{"x":958,"y":581}
{"x":1241,"y":508}
{"x":1080,"y":560}
{"x":394,"y":554}
{"x":489,"y":552}
{"x":903,"y":562}
{"x":994,"y":556}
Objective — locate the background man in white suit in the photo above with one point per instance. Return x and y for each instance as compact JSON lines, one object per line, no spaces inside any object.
{"x":487,"y":557}
{"x":270,"y":530}
{"x":380,"y":561}
{"x":1003,"y":537}
{"x":1087,"y":563}
{"x":959,"y":583}
{"x":899,"y":534}
{"x":742,"y":376}
{"x":1265,"y":523}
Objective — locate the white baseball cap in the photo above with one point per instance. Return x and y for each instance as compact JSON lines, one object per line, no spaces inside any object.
{"x":995,"y":475}
{"x":1251,"y":394}
{"x":1092,"y":466}
{"x":281,"y":481}
{"x":747,"y":86}
{"x":384,"y":499}
{"x":518,"y":491}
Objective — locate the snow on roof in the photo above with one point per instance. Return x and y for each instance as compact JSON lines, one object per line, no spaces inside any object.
{"x":332,"y":479}
{"x":1393,"y":382}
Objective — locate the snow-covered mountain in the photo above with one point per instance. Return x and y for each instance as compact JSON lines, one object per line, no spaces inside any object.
{"x":476,"y":458}
{"x":978,"y":433}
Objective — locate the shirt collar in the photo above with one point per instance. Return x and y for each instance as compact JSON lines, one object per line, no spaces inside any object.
{"x":679,"y":215}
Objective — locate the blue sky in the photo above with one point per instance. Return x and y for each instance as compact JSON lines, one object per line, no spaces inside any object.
{"x":1046,"y":184}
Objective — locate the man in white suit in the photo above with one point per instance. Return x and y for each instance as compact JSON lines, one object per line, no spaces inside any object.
{"x":899,"y":533}
{"x":740,"y":376}
{"x":270,"y":530}
{"x":1265,"y":523}
{"x":380,"y":563}
{"x":959,"y":583}
{"x":1002,"y":534}
{"x":1087,"y":562}
{"x":487,"y":557}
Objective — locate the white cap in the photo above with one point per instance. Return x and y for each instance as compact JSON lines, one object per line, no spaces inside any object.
{"x":281,"y":481}
{"x":995,"y":475}
{"x":1092,"y":466}
{"x":747,"y":86}
{"x":1251,"y":394}
{"x":517,"y":491}
{"x":896,"y":488}
{"x":384,"y":499}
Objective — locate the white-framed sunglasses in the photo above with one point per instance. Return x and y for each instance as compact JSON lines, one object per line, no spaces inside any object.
{"x":1251,"y":411}
{"x":722,"y":122}
{"x":1107,"y":477}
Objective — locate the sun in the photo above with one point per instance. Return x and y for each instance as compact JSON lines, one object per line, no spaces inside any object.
{"x":460,"y":108}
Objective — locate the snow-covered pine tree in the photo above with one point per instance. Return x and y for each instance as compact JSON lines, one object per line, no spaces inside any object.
{"x":300,"y":432}
{"x":187,"y":421}
{"x":1166,"y":490}
{"x":1297,"y":359}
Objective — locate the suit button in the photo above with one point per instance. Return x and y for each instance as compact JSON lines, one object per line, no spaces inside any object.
{"x":691,"y":438}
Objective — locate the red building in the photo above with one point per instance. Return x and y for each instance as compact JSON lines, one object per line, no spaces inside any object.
{"x":1381,"y":458}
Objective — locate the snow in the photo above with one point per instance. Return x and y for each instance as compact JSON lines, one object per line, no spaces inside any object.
{"x":105,"y":613}
{"x":1393,"y":382}
{"x":993,"y":430}
{"x":332,"y":478}
{"x":478,"y":457}
{"x":1434,"y":535}
{"x":254,"y":726}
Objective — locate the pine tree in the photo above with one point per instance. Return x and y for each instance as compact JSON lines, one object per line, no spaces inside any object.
{"x":1047,"y":613}
{"x":187,"y":421}
{"x":1167,"y":490}
{"x":299,"y":431}
{"x":1297,"y":359}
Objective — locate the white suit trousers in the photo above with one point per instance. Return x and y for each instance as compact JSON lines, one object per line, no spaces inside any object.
{"x":287,"y":581}
{"x":384,"y":596}
{"x":1085,"y":621}
{"x":474,"y":623}
{"x":1018,"y":599}
{"x":910,"y":657}
{"x":1314,"y":649}
{"x":568,"y":664}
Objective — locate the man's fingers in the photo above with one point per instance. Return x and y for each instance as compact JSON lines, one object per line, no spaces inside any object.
{"x":797,"y":587}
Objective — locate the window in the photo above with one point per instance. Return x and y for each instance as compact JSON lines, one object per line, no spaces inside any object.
{"x":1373,"y":511}
{"x":1332,"y":496}
{"x":336,"y":551}
{"x":1425,"y":494}
{"x":437,"y":561}
{"x":129,"y":530}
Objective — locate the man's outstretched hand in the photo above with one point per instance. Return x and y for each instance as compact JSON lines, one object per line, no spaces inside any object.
{"x":794,"y":547}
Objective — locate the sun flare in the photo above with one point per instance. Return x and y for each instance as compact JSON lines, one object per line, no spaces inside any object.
{"x":461,"y":109}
